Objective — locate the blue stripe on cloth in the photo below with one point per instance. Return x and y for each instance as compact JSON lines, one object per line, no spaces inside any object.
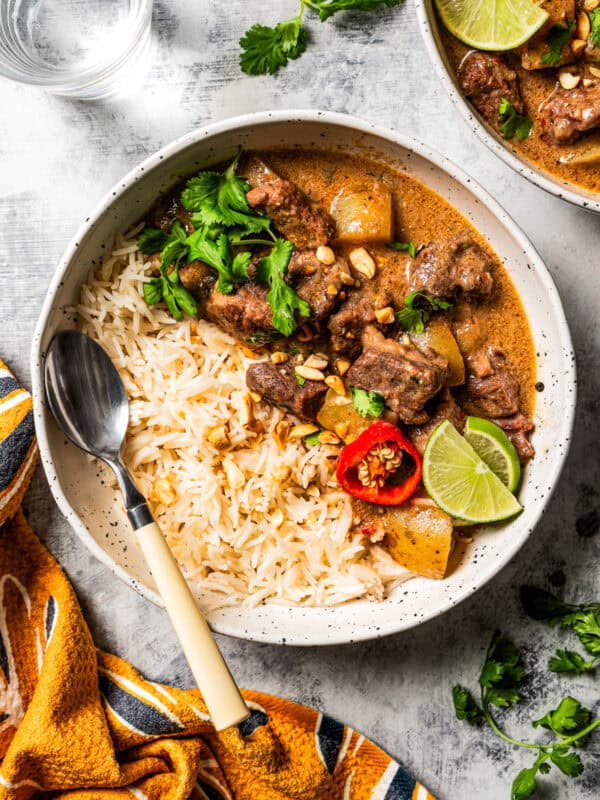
{"x":13,"y":449}
{"x":255,"y":720}
{"x":134,"y":712}
{"x":7,"y":385}
{"x":50,"y":618}
{"x":330,"y":735}
{"x":401,"y":787}
{"x":4,"y":660}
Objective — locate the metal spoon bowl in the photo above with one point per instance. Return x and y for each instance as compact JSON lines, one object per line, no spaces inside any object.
{"x":89,"y":402}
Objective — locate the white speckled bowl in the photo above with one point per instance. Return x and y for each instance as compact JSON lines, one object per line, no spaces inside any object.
{"x":429,"y":25}
{"x":96,"y":513}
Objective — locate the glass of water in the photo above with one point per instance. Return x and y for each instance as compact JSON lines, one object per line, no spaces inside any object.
{"x":77,"y":48}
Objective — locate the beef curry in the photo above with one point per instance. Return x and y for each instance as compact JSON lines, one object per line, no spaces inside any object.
{"x":386,"y":304}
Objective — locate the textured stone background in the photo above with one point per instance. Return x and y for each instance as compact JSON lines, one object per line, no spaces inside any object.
{"x":59,"y":156}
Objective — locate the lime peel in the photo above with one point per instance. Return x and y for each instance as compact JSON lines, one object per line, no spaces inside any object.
{"x":494,"y":447}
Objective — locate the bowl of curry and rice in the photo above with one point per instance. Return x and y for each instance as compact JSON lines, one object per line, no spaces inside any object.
{"x":306,"y":310}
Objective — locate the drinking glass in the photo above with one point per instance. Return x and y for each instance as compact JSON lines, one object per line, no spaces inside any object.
{"x":77,"y":48}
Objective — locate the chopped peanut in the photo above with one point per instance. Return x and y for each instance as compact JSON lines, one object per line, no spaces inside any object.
{"x":316,"y":361}
{"x":281,"y":474}
{"x":341,"y":428}
{"x":332,"y":290}
{"x":590,"y":5}
{"x":300,"y":431}
{"x":249,"y":353}
{"x":310,"y":373}
{"x":336,"y":383}
{"x":346,"y":279}
{"x":163,"y":492}
{"x":277,"y":518}
{"x":256,"y":397}
{"x":582,"y":30}
{"x":578,"y":46}
{"x":281,"y":432}
{"x":362,"y":262}
{"x":279,"y":357}
{"x":385,"y":316}
{"x":328,"y":437}
{"x":342,"y":366}
{"x":242,"y":403}
{"x":218,"y":437}
{"x":325,"y":255}
{"x":235,"y":476}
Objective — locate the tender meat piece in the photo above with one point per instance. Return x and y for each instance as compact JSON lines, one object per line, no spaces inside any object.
{"x":467,"y":329}
{"x":571,"y":112}
{"x":446,"y":408}
{"x":485,"y":79}
{"x":449,"y":267}
{"x":197,"y":277}
{"x":301,"y":221}
{"x":517,"y":427}
{"x":165,"y":214}
{"x":561,"y":12}
{"x":242,"y":313}
{"x":405,"y":376}
{"x":387,"y":288}
{"x":315,"y":282}
{"x":277,"y":384}
{"x":491,"y":386}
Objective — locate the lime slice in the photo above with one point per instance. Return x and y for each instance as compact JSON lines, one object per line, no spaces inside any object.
{"x":493,"y":446}
{"x":492,"y":24}
{"x":461,"y":483}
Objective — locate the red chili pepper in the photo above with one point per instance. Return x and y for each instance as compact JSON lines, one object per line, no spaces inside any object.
{"x":366,"y":467}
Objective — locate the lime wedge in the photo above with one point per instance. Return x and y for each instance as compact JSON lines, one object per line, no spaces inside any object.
{"x":492,"y":24}
{"x":461,"y":483}
{"x":493,"y":446}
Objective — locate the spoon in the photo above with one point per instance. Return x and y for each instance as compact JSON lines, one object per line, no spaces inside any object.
{"x":89,"y":402}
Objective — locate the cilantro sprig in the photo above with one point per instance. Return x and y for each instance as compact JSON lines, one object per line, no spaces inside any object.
{"x":500,"y":683}
{"x":281,"y":297}
{"x":403,"y":247}
{"x":595,"y":26}
{"x":168,"y":286}
{"x":511,"y":123}
{"x":266,"y":49}
{"x":583,"y":619}
{"x":417,"y":310}
{"x":368,"y":404}
{"x":557,"y":38}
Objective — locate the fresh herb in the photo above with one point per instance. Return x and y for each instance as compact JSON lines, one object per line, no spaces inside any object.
{"x":282,"y":298}
{"x":261,"y":337}
{"x":511,"y":123}
{"x":152,"y":240}
{"x":404,"y":247}
{"x":168,"y":286}
{"x":368,"y":404}
{"x":299,"y":379}
{"x":219,"y":255}
{"x":557,"y":38}
{"x":500,"y":680}
{"x":313,"y":439}
{"x":595,"y":26}
{"x":266,"y":49}
{"x":412,"y":318}
{"x":583,"y":619}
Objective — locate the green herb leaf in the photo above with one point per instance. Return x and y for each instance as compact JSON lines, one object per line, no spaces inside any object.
{"x":172,"y":254}
{"x":265,"y":50}
{"x":404,"y":247}
{"x":524,"y":785}
{"x":544,"y":606}
{"x":502,"y":673}
{"x":570,"y":661}
{"x":281,"y":297}
{"x":465,"y":706}
{"x":219,"y":256}
{"x":185,"y":300}
{"x":368,"y":404}
{"x":153,"y":291}
{"x":299,"y":379}
{"x":595,"y":26}
{"x":568,"y":763}
{"x":327,"y":8}
{"x":152,"y":240}
{"x":557,"y":38}
{"x":565,"y":720}
{"x":511,"y":123}
{"x":417,"y":310}
{"x":313,"y":439}
{"x":587,"y":627}
{"x":262,"y":337}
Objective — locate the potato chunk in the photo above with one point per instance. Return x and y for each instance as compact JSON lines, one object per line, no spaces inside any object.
{"x":337,"y":414}
{"x":561,"y":13}
{"x":438,"y":335}
{"x":420,"y":538}
{"x":363,"y":214}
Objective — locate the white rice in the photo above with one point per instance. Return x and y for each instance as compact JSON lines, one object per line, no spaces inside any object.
{"x":285,"y":535}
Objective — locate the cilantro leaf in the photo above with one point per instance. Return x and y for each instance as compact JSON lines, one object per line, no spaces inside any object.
{"x":557,"y":38}
{"x":152,"y":240}
{"x":587,"y":627}
{"x":281,"y":297}
{"x":595,"y":26}
{"x":568,"y":763}
{"x":502,"y":673}
{"x":368,"y":404}
{"x":153,"y":291}
{"x":511,"y":123}
{"x":219,"y":256}
{"x":570,"y":661}
{"x":327,"y":8}
{"x":414,"y":315}
{"x":404,"y":247}
{"x":299,"y":379}
{"x":465,"y":706}
{"x":544,"y":606}
{"x":568,"y":718}
{"x":219,"y":198}
{"x":312,"y":439}
{"x":265,"y":50}
{"x":524,"y":785}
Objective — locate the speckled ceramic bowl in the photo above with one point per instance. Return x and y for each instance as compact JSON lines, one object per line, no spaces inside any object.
{"x":95,"y":512}
{"x":430,"y":30}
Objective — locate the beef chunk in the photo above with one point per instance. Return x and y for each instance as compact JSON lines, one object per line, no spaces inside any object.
{"x":277,"y":384}
{"x":448,"y":267}
{"x":571,"y":112}
{"x":169,"y":210}
{"x":242,"y":313}
{"x":491,"y":386}
{"x":301,"y":221}
{"x":517,"y":427}
{"x":533,"y":52}
{"x":405,"y":376}
{"x":316,"y":283}
{"x":445,"y":408}
{"x":485,"y":79}
{"x":387,"y":288}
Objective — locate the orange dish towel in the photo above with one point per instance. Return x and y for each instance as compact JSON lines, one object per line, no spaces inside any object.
{"x":79,"y":723}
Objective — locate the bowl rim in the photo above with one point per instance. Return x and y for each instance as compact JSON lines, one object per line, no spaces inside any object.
{"x":561,"y":189}
{"x":331,"y":635}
